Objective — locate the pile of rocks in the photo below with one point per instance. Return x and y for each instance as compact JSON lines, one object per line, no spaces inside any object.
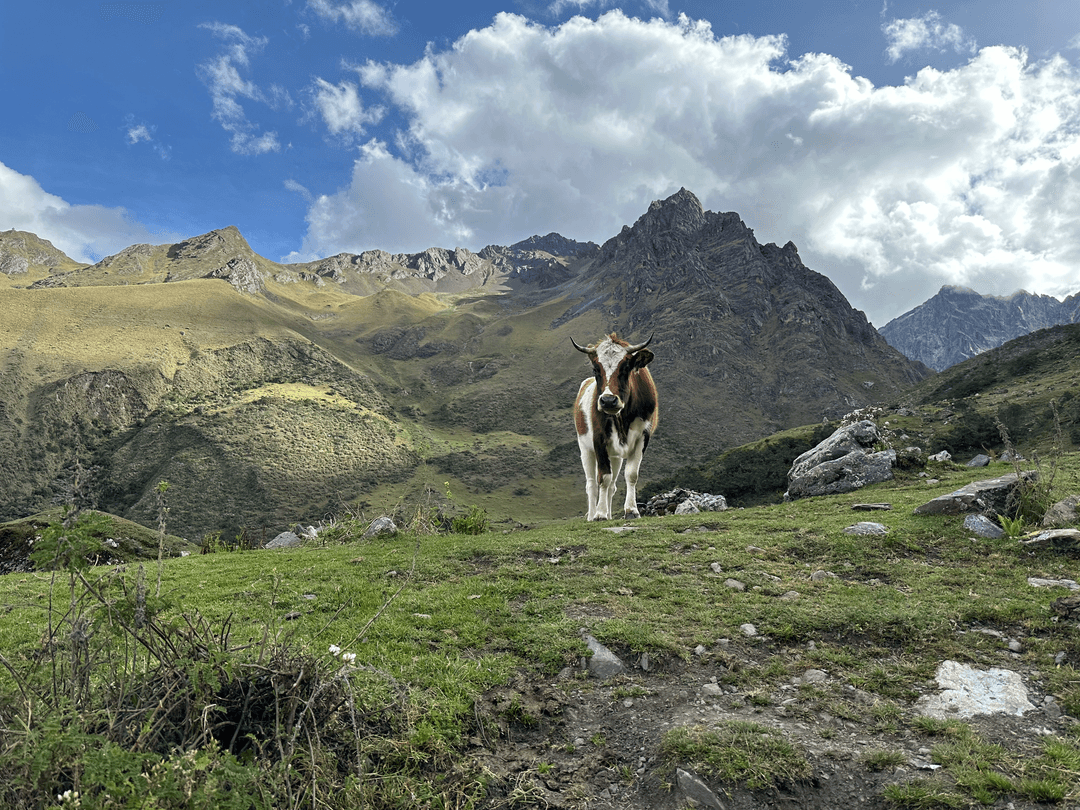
{"x":684,"y":502}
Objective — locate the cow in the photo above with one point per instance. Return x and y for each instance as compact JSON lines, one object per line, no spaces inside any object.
{"x":615,"y":414}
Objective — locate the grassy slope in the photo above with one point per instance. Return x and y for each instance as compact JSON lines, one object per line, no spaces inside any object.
{"x":477,"y":609}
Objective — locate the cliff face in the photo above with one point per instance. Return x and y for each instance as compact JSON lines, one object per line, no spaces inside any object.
{"x":959,"y":323}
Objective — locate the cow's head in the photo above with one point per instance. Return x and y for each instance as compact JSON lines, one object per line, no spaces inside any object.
{"x":613,"y":360}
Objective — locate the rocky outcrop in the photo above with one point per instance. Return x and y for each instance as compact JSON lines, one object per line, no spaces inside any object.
{"x":843,"y":462}
{"x":959,"y":323}
{"x":990,"y":497}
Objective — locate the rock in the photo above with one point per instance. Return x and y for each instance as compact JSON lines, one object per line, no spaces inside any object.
{"x":811,"y":676}
{"x":716,"y":568}
{"x":983,"y":526}
{"x":712,"y":690}
{"x":1038,"y":582}
{"x":944,"y":455}
{"x":696,"y":790}
{"x":867,"y":528}
{"x":981,"y":460}
{"x":1068,"y":607}
{"x":969,"y":692}
{"x":382,"y":525}
{"x":669,"y":503}
{"x":987,"y":497}
{"x":1063,"y":513}
{"x":790,"y":596}
{"x":871,"y":507}
{"x":748,"y":630}
{"x":821,"y":576}
{"x":1055,"y":538}
{"x":842,"y":463}
{"x":734,"y":584}
{"x":285,"y":540}
{"x":603,"y":663}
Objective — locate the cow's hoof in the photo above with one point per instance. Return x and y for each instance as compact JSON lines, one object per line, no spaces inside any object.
{"x":631,"y":515}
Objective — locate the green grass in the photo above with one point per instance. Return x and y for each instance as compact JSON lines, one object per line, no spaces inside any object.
{"x":407,"y":632}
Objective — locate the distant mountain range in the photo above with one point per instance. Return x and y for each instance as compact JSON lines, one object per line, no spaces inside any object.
{"x":269,"y":394}
{"x":959,"y":323}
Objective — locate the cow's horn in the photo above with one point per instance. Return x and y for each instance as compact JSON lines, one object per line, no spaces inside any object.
{"x":579,"y":348}
{"x":640,"y":346}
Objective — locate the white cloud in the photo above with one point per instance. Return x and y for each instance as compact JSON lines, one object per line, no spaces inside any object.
{"x":86,"y":233}
{"x":965,"y":176}
{"x":139,"y":133}
{"x":364,"y":16}
{"x":145,"y":133}
{"x":341,"y":108}
{"x":926,"y":33}
{"x":222,"y":76}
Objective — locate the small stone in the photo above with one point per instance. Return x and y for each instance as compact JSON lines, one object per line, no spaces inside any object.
{"x":867,"y":528}
{"x":983,"y":526}
{"x":696,"y":790}
{"x":790,"y":596}
{"x":735,"y":585}
{"x":748,"y":630}
{"x":603,"y":663}
{"x":821,"y":576}
{"x":1059,"y":659}
{"x":1015,"y":646}
{"x":716,"y":569}
{"x":699,"y":650}
{"x":712,"y":689}
{"x":981,"y":460}
{"x":754,"y":550}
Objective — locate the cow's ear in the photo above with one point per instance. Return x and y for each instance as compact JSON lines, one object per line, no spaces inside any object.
{"x":642,"y":358}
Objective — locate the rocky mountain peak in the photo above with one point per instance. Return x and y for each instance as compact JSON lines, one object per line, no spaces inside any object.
{"x":554,"y":244}
{"x":21,"y":250}
{"x":959,"y":323}
{"x":221,"y":243}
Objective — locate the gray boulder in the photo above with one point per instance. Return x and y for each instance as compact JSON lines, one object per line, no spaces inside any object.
{"x":988,"y":497}
{"x":285,"y":540}
{"x":603,"y":663}
{"x":981,"y":460}
{"x":1063,"y":513}
{"x":382,"y":525}
{"x":842,"y":463}
{"x":983,"y":526}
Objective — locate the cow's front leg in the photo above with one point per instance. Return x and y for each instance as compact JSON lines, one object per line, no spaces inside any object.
{"x":633,"y":464}
{"x":606,"y":481}
{"x":592,"y":488}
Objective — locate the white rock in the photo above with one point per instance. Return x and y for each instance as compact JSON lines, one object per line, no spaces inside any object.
{"x":968,"y":692}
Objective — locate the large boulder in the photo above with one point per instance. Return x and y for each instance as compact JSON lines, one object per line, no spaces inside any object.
{"x":843,"y":462}
{"x":990,"y":497}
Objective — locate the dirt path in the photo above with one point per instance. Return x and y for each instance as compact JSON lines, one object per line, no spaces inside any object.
{"x":576,"y":743}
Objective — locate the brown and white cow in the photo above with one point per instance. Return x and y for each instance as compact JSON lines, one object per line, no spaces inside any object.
{"x":615,"y":414}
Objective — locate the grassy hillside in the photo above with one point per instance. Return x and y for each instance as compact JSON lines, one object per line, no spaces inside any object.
{"x":445,"y":670}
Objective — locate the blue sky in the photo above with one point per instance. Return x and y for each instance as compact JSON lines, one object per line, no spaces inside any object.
{"x":900,"y":145}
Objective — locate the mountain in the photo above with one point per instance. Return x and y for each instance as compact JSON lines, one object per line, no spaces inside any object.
{"x":959,"y":323}
{"x":268,"y":394}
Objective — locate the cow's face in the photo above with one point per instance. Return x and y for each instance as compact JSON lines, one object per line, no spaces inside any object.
{"x":613,"y":360}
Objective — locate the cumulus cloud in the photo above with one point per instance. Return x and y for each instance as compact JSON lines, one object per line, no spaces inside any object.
{"x":965,"y":176}
{"x":222,"y":76}
{"x":363,"y":16}
{"x":86,"y":233}
{"x":928,"y":32}
{"x":341,"y":108}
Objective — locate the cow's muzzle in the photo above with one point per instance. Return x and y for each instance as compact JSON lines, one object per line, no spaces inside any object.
{"x":609,"y":404}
